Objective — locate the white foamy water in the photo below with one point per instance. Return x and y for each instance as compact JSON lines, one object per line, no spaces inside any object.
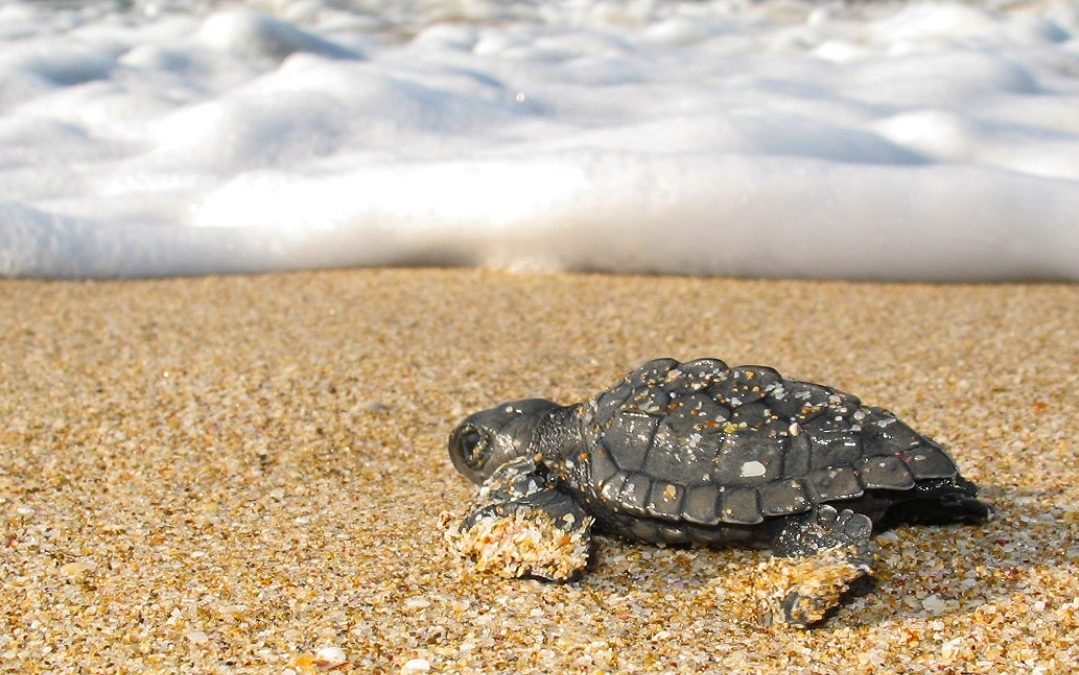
{"x":782,"y":138}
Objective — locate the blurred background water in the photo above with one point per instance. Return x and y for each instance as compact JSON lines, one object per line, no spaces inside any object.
{"x":778,"y":138}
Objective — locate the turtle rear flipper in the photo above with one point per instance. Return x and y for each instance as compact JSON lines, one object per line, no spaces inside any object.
{"x":836,"y":550}
{"x":939,"y":502}
{"x":522,"y":525}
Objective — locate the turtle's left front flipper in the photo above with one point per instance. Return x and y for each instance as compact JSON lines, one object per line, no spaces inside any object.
{"x":834,"y":550}
{"x":522,"y":525}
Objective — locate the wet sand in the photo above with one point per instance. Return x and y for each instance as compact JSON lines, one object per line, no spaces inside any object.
{"x":230,"y":474}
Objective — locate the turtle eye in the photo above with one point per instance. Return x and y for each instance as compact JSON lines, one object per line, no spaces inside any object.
{"x":473,"y":447}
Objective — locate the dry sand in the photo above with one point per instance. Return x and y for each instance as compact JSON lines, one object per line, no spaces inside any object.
{"x":228,"y":474}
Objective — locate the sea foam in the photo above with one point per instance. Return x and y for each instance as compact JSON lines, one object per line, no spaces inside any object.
{"x":783,"y":138}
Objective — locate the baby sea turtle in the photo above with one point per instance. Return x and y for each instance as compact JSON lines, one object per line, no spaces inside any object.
{"x":701,"y":453}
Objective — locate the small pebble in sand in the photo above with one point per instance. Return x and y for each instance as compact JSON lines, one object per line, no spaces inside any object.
{"x":74,"y":569}
{"x":951,"y":647}
{"x":330,"y":657}
{"x":934,"y":605}
{"x":416,"y":666}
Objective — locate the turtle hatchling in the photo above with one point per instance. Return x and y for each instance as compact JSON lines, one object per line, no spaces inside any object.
{"x":702,"y":453}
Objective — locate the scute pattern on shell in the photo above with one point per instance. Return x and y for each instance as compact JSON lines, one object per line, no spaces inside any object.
{"x":703,"y":443}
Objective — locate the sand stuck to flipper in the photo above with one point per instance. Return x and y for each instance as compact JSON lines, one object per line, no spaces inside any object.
{"x":525,"y":543}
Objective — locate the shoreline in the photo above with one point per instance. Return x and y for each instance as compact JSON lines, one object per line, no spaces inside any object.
{"x":229,"y":473}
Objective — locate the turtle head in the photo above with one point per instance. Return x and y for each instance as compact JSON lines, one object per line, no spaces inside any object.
{"x":488,"y":439}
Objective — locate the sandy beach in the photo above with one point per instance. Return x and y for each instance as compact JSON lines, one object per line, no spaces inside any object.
{"x":232,"y":474}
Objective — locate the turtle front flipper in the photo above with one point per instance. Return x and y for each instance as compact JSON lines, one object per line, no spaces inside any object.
{"x":522,"y":525}
{"x":836,"y":550}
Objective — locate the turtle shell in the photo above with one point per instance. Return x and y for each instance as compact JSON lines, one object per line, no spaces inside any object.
{"x":703,"y":443}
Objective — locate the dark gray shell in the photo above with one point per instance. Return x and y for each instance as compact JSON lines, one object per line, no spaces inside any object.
{"x":702,"y":443}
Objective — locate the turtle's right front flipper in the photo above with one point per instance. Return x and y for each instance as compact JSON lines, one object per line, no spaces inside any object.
{"x":522,"y":525}
{"x":834,"y":550}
